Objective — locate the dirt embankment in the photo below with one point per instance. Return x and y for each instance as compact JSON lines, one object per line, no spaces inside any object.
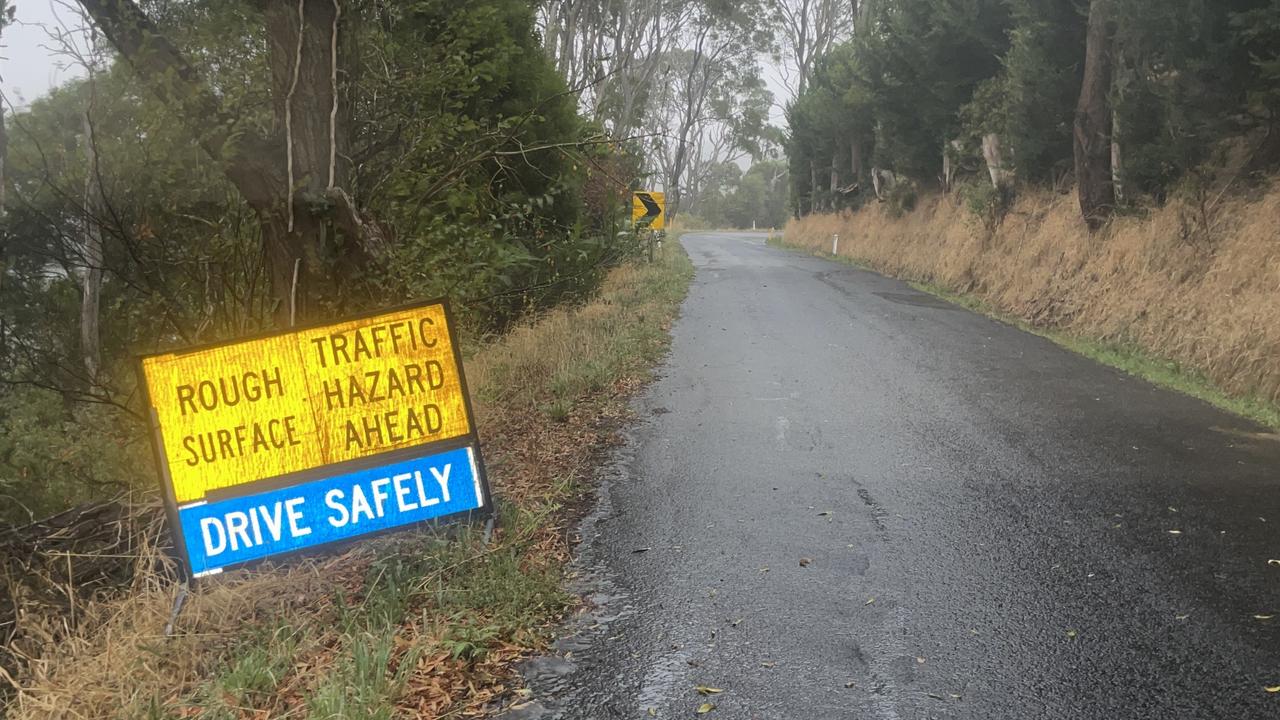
{"x":1196,"y":282}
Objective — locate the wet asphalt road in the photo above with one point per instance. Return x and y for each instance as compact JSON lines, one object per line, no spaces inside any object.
{"x":986,"y":521}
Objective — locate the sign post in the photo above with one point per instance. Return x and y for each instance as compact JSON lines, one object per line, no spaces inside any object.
{"x":649,"y":213}
{"x":310,"y":437}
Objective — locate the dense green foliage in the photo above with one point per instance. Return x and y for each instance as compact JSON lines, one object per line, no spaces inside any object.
{"x":1193,"y":88}
{"x":466,"y":150}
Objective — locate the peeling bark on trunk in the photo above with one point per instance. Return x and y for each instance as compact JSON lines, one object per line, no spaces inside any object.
{"x":997,"y":164}
{"x":1117,"y":164}
{"x":814,"y":205}
{"x":288,"y":178}
{"x":91,"y":253}
{"x":835,"y":178}
{"x":948,"y":171}
{"x":4,"y":155}
{"x":1092,"y":142}
{"x":303,"y":102}
{"x":855,"y":161}
{"x":882,"y":181}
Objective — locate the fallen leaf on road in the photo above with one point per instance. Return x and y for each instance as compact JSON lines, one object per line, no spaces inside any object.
{"x":804,"y":562}
{"x":919,"y":661}
{"x":1272,"y":689}
{"x":704,"y":690}
{"x":1071,"y":634}
{"x":705,"y":708}
{"x":653,"y":713}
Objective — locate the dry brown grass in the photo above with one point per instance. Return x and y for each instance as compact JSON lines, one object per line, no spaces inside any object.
{"x":550,"y":397}
{"x":1200,"y":286}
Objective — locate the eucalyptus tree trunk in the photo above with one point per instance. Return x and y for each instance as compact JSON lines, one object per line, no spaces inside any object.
{"x":855,"y":161}
{"x":993,"y":152}
{"x":91,"y":258}
{"x":5,"y":19}
{"x":881,"y":181}
{"x":948,"y":166}
{"x":835,"y":178}
{"x":1117,"y":159}
{"x":814,"y":205}
{"x":1092,"y":129}
{"x":4,"y":155}
{"x":293,"y":178}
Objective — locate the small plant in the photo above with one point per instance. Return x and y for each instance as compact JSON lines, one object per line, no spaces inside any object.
{"x":464,"y":642}
{"x":559,"y":409}
{"x":987,"y":202}
{"x":902,"y":197}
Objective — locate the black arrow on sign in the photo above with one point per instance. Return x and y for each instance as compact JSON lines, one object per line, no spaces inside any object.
{"x":651,"y":208}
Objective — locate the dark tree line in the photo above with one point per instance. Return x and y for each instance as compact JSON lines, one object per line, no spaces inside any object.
{"x":1127,"y":99}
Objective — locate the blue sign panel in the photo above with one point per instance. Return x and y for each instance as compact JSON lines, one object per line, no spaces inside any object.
{"x":228,"y":532}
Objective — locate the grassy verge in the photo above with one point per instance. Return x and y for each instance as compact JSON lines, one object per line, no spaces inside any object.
{"x":418,"y":624}
{"x":1127,"y":357}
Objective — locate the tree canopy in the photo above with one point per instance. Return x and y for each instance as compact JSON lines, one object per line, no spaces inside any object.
{"x":926,"y":89}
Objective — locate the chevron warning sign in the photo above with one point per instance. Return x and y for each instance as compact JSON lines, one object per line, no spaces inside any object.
{"x":649,"y":209}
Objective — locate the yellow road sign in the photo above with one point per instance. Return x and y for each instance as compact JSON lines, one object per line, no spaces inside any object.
{"x":239,"y":413}
{"x":649,"y":209}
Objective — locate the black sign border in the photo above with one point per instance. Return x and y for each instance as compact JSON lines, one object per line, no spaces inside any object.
{"x":471,"y":439}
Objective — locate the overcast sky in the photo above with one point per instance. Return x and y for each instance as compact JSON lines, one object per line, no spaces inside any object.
{"x":28,"y":68}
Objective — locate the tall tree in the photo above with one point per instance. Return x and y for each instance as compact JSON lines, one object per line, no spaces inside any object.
{"x":6,"y":19}
{"x":611,"y":51}
{"x":709,"y":104}
{"x":1092,"y":133}
{"x":807,"y":31}
{"x":293,"y":176}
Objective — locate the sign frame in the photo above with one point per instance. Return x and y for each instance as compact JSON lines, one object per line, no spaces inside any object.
{"x":658,"y":223}
{"x":472,"y":440}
